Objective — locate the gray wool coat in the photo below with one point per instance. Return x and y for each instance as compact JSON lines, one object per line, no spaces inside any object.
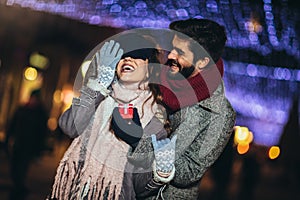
{"x":203,"y":131}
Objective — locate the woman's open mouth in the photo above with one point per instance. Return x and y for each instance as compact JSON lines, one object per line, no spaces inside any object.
{"x":127,"y":68}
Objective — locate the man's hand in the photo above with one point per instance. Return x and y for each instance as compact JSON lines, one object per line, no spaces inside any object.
{"x":164,"y":151}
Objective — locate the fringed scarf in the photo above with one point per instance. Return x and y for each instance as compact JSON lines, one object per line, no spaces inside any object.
{"x":93,"y":166}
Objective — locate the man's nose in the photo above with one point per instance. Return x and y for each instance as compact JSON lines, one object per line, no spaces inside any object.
{"x":173,"y":55}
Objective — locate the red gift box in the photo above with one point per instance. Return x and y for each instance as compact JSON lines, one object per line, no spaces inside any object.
{"x":126,"y":110}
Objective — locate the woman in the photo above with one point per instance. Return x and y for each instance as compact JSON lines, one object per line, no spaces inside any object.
{"x":95,"y":166}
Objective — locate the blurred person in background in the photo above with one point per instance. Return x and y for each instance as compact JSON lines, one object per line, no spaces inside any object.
{"x":26,"y":140}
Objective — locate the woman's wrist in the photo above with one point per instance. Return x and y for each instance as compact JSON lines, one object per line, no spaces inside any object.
{"x":162,"y":174}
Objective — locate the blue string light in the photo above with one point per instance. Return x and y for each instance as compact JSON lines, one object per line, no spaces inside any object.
{"x":137,"y":13}
{"x":250,"y":88}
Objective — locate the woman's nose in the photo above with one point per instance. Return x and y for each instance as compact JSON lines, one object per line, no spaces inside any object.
{"x":127,"y":58}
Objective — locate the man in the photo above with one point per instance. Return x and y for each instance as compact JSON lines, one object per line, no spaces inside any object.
{"x":201,"y":117}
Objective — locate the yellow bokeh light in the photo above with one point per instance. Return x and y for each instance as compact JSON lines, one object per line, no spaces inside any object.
{"x":57,"y":96}
{"x":242,"y":135}
{"x":68,"y":96}
{"x":52,"y":123}
{"x":274,"y":152}
{"x":243,"y":148}
{"x":38,"y":60}
{"x":30,"y":73}
{"x":250,"y":137}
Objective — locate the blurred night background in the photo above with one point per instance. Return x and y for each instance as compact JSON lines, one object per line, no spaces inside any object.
{"x":44,"y":42}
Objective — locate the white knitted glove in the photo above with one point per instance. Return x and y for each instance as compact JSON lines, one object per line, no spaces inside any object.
{"x":164,"y":152}
{"x":105,"y":62}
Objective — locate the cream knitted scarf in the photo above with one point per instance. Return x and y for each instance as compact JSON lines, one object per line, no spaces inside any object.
{"x":93,"y":166}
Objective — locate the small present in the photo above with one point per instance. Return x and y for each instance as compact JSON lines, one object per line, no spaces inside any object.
{"x":126,"y":110}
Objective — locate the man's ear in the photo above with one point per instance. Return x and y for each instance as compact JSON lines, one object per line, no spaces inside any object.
{"x":201,"y":63}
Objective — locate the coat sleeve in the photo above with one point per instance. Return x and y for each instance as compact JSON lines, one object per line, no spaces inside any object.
{"x":145,"y":186}
{"x":76,"y":118}
{"x":142,"y":159}
{"x":143,"y":154}
{"x":193,"y":160}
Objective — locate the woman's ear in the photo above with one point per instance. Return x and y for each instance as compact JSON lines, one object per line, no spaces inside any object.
{"x":202,"y":63}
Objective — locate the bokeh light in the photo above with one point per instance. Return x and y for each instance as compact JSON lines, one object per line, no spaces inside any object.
{"x":242,"y":148}
{"x":242,"y":135}
{"x":57,"y":97}
{"x":52,"y":123}
{"x":246,"y":30}
{"x":30,"y":73}
{"x":67,"y":95}
{"x":38,"y":60}
{"x":274,"y":152}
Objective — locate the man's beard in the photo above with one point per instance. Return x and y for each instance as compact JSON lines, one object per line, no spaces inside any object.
{"x":183,"y":73}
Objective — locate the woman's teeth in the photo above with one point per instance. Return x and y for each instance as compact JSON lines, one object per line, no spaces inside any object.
{"x":127,"y":68}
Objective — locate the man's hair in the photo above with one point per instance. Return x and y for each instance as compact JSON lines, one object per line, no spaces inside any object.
{"x":209,"y":34}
